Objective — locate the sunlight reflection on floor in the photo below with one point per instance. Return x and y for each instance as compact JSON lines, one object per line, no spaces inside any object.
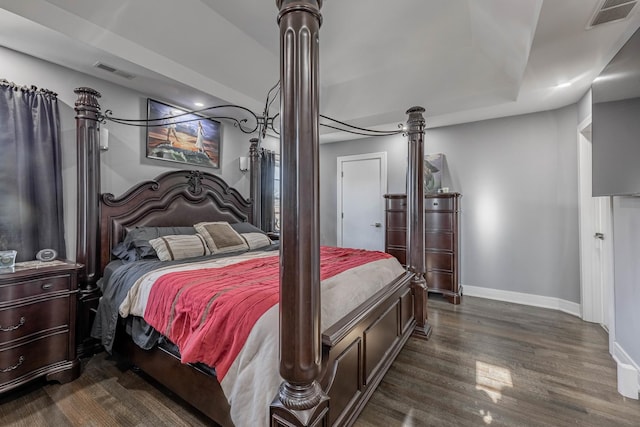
{"x":492,"y":380}
{"x":408,"y":420}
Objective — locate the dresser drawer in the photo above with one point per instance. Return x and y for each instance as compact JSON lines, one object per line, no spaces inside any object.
{"x":439,"y":261}
{"x":440,"y":281}
{"x":439,"y":204}
{"x":32,"y":288}
{"x":27,"y":358}
{"x":400,"y":254}
{"x":397,"y":238}
{"x":441,"y":221}
{"x":396,"y":219}
{"x":396,"y":204}
{"x":24,"y":320}
{"x":438,"y":240}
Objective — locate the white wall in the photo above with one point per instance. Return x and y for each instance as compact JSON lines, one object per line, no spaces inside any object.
{"x":124,"y":164}
{"x":518,"y":178}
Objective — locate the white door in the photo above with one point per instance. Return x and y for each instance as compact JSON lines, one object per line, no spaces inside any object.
{"x":596,"y":240}
{"x":362,"y":183}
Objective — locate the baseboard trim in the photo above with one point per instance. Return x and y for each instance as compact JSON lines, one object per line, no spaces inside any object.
{"x":628,"y":373}
{"x":569,"y":307}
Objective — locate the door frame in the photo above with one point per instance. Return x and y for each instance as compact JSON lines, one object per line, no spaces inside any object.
{"x":383,"y":188}
{"x":595,"y":301}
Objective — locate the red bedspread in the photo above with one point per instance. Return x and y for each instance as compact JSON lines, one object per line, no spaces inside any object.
{"x":209,"y":313}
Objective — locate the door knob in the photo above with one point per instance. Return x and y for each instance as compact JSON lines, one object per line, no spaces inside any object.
{"x":599,"y":236}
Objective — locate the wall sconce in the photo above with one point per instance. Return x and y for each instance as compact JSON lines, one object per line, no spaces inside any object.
{"x":104,"y":139}
{"x":244,"y":164}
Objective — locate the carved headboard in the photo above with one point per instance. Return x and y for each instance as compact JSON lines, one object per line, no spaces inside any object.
{"x":179,"y":198}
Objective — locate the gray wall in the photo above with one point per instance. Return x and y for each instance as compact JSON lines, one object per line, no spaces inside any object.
{"x":518,"y":177}
{"x":396,"y":149}
{"x":124,"y":163}
{"x":626,"y":242}
{"x":626,"y":235}
{"x":584,"y":107}
{"x":616,"y":129}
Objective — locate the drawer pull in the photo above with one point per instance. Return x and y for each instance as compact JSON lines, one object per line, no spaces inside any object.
{"x":435,"y":203}
{"x":11,"y":368}
{"x":47,"y":286}
{"x":13,"y":328}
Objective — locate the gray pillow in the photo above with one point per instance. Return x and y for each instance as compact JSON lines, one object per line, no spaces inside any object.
{"x":149,"y":233}
{"x":246,"y":227}
{"x":136,"y":246}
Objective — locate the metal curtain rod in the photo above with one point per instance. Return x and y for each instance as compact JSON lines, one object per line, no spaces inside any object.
{"x":263,"y":123}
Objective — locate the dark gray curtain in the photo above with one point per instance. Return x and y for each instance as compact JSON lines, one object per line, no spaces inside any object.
{"x":267,"y":170}
{"x":31,"y":206}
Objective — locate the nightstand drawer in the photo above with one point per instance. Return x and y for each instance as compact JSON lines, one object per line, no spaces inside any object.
{"x":24,"y":320}
{"x":28,"y":358}
{"x":32,"y":288}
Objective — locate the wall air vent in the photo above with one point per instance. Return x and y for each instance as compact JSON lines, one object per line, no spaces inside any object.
{"x":611,"y":11}
{"x":113,"y":70}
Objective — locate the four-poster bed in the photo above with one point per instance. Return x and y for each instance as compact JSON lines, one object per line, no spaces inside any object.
{"x":328,"y":372}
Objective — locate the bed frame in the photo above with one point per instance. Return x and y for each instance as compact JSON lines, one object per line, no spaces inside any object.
{"x":328,"y":376}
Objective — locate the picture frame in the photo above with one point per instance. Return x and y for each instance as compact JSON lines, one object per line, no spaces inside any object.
{"x":433,"y":167}
{"x":175,"y":135}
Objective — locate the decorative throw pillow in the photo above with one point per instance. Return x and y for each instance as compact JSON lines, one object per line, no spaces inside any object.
{"x":175,"y":247}
{"x":221,"y":237}
{"x":256,"y":240}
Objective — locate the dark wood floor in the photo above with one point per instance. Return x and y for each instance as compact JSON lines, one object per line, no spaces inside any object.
{"x":487,"y":363}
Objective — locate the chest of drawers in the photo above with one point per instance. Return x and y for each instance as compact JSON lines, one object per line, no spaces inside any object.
{"x":441,"y":238}
{"x":37,"y":323}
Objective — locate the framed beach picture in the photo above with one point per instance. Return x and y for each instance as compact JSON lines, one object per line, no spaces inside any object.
{"x":175,"y":135}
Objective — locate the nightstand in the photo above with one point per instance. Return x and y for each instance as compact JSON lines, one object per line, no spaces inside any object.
{"x":37,"y":322}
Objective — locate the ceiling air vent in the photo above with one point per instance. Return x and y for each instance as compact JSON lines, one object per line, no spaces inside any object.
{"x":113,"y":70}
{"x":612,"y":10}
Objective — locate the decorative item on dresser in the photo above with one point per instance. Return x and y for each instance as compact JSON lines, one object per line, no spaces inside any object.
{"x":442,"y":239}
{"x":37,"y":323}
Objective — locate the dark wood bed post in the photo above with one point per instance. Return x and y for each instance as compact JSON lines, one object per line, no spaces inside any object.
{"x":88,"y":149}
{"x":300,"y":400}
{"x":255,"y":189}
{"x":415,"y":216}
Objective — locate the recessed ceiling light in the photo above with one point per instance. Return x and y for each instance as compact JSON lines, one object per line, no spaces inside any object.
{"x":198,"y":104}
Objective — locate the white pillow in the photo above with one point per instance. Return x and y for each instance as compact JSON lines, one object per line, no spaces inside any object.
{"x":256,"y":240}
{"x":174,"y":247}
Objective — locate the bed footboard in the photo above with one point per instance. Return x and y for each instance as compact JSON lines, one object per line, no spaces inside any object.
{"x":198,"y":388}
{"x":360,"y":349}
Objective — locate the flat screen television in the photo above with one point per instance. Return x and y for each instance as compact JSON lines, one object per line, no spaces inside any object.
{"x":616,"y":124}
